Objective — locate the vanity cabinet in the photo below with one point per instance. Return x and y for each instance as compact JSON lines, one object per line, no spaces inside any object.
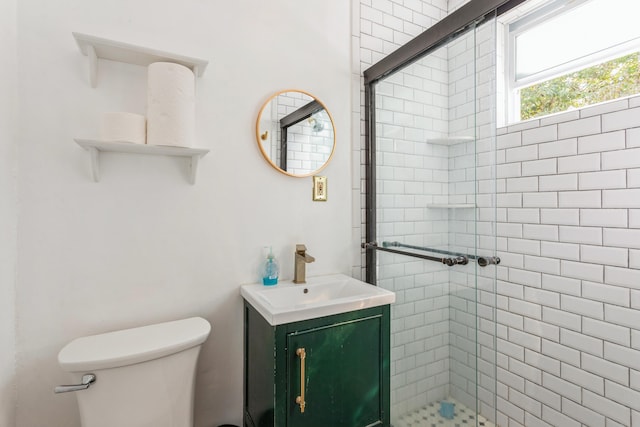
{"x":330,"y":371}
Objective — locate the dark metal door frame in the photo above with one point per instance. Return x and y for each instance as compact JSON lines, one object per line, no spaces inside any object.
{"x":474,"y":11}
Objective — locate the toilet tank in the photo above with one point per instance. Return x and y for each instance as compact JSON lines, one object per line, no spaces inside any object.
{"x":144,"y":376}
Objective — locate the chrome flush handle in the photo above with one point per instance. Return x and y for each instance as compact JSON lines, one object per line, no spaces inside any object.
{"x":87,"y":380}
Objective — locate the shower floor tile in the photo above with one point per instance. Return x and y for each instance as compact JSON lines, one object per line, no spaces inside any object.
{"x":428,"y":416}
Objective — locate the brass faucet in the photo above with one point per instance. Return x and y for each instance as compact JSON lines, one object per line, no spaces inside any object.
{"x":301,"y":259}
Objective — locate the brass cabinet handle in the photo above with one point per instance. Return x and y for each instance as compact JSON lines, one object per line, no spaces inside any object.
{"x":300,"y":399}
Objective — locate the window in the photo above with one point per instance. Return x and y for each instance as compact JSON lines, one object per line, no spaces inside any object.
{"x":565,"y":54}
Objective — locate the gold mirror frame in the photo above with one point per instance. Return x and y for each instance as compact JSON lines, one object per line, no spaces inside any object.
{"x":263,"y":135}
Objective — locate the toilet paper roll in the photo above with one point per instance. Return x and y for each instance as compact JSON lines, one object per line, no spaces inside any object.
{"x":127,"y":127}
{"x":170,"y":105}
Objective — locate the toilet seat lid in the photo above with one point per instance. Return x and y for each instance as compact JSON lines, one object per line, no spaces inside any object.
{"x":135,"y":345}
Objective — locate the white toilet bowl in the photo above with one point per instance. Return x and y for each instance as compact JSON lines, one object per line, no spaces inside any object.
{"x":144,"y":377}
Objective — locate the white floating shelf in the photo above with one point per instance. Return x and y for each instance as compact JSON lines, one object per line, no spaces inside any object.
{"x":451,"y":206}
{"x":450,"y":140}
{"x":99,"y":48}
{"x":95,"y":147}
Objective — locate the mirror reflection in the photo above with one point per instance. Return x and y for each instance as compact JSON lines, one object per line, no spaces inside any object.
{"x":295,"y":133}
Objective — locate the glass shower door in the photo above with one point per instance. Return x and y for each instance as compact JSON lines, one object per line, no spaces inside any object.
{"x":435,"y":217}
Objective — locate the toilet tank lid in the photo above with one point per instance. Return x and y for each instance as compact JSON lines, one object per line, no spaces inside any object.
{"x":129,"y":346}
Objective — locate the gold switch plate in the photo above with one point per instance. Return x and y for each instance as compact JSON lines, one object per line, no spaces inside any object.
{"x":319,"y":188}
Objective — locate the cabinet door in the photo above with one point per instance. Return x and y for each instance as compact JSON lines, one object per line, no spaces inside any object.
{"x":342,"y":375}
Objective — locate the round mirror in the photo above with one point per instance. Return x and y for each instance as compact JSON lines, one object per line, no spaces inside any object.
{"x":295,"y":133}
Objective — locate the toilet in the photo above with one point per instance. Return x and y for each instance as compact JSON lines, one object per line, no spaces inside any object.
{"x":144,"y":376}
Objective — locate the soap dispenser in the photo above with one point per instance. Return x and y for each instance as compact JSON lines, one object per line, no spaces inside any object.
{"x":270,"y":270}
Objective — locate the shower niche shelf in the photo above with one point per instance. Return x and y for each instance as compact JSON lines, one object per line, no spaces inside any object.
{"x":96,"y":147}
{"x":451,"y":206}
{"x":450,"y":140}
{"x":100,"y":48}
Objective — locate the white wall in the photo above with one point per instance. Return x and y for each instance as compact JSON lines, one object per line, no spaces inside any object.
{"x":143,"y":245}
{"x":8,"y":210}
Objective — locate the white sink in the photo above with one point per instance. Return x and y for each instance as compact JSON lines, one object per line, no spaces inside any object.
{"x":288,"y":302}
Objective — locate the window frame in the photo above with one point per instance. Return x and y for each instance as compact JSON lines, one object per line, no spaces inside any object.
{"x":520,"y":24}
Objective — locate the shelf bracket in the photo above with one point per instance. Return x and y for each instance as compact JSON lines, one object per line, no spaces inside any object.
{"x":193,"y":169}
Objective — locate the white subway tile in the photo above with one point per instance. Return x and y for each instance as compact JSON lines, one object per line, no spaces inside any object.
{"x":542,"y":297}
{"x":560,"y":352}
{"x":623,"y":395}
{"x":543,"y":265}
{"x":602,"y":180}
{"x":582,"y":413}
{"x":563,"y":388}
{"x":510,"y":289}
{"x":581,"y":342}
{"x":510,"y":349}
{"x":605,"y":369}
{"x":582,"y":306}
{"x":603,"y":217}
{"x":546,"y":331}
{"x":560,"y":284}
{"x":539,"y":167}
{"x":633,"y":178}
{"x":633,"y":137}
{"x":604,"y":255}
{"x":621,"y":198}
{"x":555,"y":418}
{"x":580,"y":270}
{"x":528,"y":372}
{"x":530,"y":405}
{"x":583,"y":379}
{"x":509,"y":170}
{"x":562,"y":319}
{"x":588,"y":126}
{"x":508,"y":259}
{"x":569,"y":251}
{"x":558,"y":182}
{"x":509,"y":140}
{"x":564,"y":147}
{"x":625,"y":238}
{"x":529,"y":124}
{"x":587,"y":235}
{"x":580,"y":199}
{"x":530,"y":216}
{"x":621,"y":119}
{"x":540,"y":200}
{"x":607,"y":408}
{"x":634,"y":379}
{"x":564,"y":116}
{"x":521,"y":154}
{"x":560,"y":216}
{"x":509,"y":230}
{"x":629,"y":317}
{"x":540,"y":232}
{"x":581,"y":163}
{"x":522,"y":246}
{"x":522,"y":184}
{"x":525,"y":308}
{"x":524,"y":339}
{"x":621,"y":159}
{"x":509,"y":200}
{"x":635,"y":299}
{"x":634,"y":218}
{"x":540,"y":134}
{"x":601,"y":142}
{"x":607,"y":331}
{"x":605,"y":107}
{"x":605,"y":293}
{"x":623,"y":355}
{"x":542,"y":395}
{"x":634,"y":258}
{"x":623,"y":277}
{"x":525,"y":277}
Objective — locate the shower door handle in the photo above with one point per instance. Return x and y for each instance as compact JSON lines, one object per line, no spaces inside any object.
{"x":87,"y":380}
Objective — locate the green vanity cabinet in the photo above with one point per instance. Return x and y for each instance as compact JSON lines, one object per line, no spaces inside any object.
{"x":343,"y":360}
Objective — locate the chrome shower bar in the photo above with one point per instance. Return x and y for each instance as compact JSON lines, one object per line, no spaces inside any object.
{"x":482,"y":261}
{"x":458,"y":260}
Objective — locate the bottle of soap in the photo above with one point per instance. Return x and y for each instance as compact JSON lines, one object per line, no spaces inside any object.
{"x":270,"y":271}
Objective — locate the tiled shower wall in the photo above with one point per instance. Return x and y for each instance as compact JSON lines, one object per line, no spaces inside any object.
{"x":569,"y":288}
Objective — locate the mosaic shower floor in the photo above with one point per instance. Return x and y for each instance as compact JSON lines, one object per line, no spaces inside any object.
{"x":429,"y":416}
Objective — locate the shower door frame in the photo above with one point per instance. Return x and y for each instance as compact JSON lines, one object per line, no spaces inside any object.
{"x":446,"y":29}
